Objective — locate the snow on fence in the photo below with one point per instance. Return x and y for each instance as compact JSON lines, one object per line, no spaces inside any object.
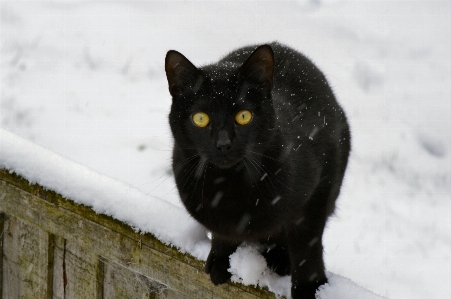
{"x":53,"y":247}
{"x":69,"y":232}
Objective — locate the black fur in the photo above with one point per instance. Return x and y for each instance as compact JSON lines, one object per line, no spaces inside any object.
{"x":277,"y":178}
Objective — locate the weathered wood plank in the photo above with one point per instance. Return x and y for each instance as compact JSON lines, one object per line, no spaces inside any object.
{"x":50,"y":265}
{"x":74,"y":272}
{"x":121,"y":283}
{"x":24,"y":260}
{"x":100,"y":235}
{"x":100,"y":278}
{"x":2,"y":225}
{"x":170,"y":294}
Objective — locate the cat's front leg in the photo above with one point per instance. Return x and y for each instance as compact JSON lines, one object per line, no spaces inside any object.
{"x":307,"y":264}
{"x":218,"y":261}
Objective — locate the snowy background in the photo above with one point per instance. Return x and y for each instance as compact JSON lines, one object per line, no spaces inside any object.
{"x":86,"y":81}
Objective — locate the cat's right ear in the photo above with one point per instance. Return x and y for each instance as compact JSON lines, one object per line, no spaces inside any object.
{"x":182,"y":75}
{"x":258,"y":69}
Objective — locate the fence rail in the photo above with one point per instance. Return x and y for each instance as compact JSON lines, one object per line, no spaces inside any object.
{"x":51,"y":247}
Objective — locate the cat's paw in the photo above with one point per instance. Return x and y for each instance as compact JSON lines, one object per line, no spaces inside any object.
{"x":307,"y":290}
{"x":218,"y":269}
{"x":278,"y":260}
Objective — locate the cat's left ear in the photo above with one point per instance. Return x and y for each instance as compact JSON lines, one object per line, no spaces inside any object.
{"x":258,"y":69}
{"x":182,"y":75}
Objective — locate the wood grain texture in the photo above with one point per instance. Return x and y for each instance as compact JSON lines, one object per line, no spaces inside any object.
{"x":2,"y":225}
{"x":119,"y":282}
{"x":74,"y":272}
{"x":96,"y":256}
{"x":24,"y":260}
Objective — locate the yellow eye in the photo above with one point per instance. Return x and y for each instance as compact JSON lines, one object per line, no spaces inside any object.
{"x":201,"y":119}
{"x":243,"y":117}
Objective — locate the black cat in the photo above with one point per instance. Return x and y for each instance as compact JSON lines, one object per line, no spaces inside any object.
{"x":260,"y":150}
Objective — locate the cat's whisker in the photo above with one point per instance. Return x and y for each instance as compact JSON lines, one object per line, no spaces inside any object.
{"x":189,"y":174}
{"x":252,"y":178}
{"x":154,"y":180}
{"x":158,"y":185}
{"x":292,"y":158}
{"x":161,"y":150}
{"x":185,"y":161}
{"x":260,"y":154}
{"x":203,"y":184}
{"x":170,"y":191}
{"x":180,"y":164}
{"x":257,"y":166}
{"x":273,"y":174}
{"x":267,"y":172}
{"x":199,"y":170}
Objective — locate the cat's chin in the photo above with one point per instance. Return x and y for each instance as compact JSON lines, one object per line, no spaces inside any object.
{"x":225,"y":163}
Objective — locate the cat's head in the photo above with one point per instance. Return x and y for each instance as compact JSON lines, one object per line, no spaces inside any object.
{"x":224,"y":111}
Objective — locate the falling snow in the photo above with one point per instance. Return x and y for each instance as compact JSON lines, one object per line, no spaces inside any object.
{"x":216,"y":199}
{"x":276,"y":199}
{"x":87,"y":81}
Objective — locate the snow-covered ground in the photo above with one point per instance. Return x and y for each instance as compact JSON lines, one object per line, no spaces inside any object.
{"x":86,"y":81}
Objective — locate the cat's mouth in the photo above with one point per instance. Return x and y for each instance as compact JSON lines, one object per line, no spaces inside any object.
{"x":225,"y":161}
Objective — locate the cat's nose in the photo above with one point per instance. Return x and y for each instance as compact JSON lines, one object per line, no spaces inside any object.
{"x":224,"y":142}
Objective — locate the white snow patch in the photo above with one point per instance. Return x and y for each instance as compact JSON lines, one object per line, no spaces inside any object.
{"x":340,"y":287}
{"x":87,"y":82}
{"x":247,"y":265}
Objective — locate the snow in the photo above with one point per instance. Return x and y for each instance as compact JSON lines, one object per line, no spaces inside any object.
{"x":104,"y":194}
{"x":249,"y":267}
{"x":84,"y":105}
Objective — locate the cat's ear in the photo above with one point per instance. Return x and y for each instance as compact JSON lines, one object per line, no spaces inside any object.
{"x":259,"y":67}
{"x":182,"y":75}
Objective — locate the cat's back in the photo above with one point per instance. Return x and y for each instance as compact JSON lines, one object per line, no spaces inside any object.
{"x":287,"y":62}
{"x":303,"y":99}
{"x":308,"y":114}
{"x":296,"y":78}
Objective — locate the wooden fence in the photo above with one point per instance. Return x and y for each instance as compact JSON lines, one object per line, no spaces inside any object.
{"x":51,"y":247}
